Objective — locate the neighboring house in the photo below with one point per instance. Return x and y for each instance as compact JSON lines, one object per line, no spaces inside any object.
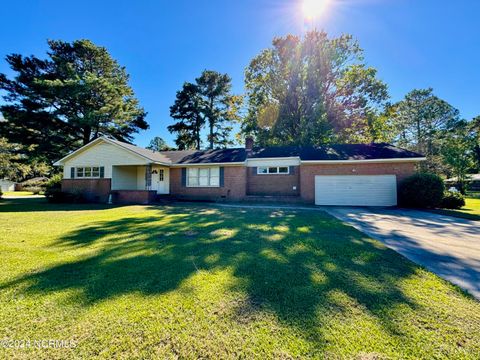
{"x":7,"y":185}
{"x":28,"y":185}
{"x":348,"y":174}
{"x":473,"y":181}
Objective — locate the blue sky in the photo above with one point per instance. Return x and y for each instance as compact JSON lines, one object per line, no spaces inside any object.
{"x":413,"y":44}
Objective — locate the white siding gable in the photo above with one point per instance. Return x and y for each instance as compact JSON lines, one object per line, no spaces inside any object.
{"x":102,"y":154}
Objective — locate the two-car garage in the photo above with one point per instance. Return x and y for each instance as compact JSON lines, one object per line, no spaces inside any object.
{"x":356,"y":190}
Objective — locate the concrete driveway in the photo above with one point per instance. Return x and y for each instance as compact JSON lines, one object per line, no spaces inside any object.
{"x":450,"y":247}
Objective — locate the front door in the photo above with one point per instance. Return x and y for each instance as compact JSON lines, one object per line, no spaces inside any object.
{"x":160,"y":181}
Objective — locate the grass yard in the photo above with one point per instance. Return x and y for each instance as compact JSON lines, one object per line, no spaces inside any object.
{"x":204,"y":282}
{"x":471,"y":210}
{"x":473,"y":194}
{"x":17,"y":193}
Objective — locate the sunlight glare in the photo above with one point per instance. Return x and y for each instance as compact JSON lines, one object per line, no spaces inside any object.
{"x":313,"y":8}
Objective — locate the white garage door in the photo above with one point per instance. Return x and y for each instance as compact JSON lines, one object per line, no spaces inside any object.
{"x":356,"y":190}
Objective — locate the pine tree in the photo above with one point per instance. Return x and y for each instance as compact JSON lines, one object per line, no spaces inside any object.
{"x":207,"y":102}
{"x":77,"y":94}
{"x":187,"y":111}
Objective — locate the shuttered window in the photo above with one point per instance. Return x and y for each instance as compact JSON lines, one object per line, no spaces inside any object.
{"x":203,"y":177}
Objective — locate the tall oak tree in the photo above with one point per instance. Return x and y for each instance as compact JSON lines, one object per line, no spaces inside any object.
{"x":312,"y":90}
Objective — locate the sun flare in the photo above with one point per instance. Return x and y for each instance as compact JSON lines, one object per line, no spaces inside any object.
{"x":313,"y":8}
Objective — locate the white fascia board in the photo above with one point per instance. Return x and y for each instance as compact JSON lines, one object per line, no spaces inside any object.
{"x":274,"y":158}
{"x":280,"y":161}
{"x":396,"y":160}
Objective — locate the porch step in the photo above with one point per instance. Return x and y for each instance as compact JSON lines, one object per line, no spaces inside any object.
{"x":164,"y":198}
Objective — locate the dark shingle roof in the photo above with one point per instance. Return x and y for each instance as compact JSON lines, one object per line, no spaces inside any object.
{"x":275,"y":152}
{"x":336,"y":152}
{"x":206,"y":156}
{"x":356,"y":152}
{"x":149,"y":154}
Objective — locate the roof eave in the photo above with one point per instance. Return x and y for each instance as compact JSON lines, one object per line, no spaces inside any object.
{"x":208,"y":164}
{"x":416,"y":159}
{"x":274,"y":158}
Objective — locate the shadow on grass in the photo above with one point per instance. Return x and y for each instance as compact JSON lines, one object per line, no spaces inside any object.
{"x":301,"y":267}
{"x":464,"y":214}
{"x":41,"y":204}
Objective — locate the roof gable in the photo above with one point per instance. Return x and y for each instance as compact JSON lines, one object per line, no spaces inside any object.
{"x":142,"y":154}
{"x":154,"y":156}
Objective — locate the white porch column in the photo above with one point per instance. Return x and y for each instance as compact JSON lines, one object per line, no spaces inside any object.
{"x":148,"y":177}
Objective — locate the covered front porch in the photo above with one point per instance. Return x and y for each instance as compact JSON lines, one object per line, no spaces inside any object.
{"x":139,"y":183}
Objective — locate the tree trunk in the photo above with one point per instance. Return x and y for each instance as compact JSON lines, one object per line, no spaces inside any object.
{"x":211,"y":135}
{"x":419,"y":138}
{"x":197,"y":139}
{"x":197,"y":129}
{"x":87,"y":132}
{"x":211,"y":122}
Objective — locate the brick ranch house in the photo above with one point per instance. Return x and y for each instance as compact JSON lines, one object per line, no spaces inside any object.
{"x":347,"y":174}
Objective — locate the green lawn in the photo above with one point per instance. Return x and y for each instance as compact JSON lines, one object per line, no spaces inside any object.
{"x":473,"y":194}
{"x":17,"y":193}
{"x":471,"y":210}
{"x":204,"y":282}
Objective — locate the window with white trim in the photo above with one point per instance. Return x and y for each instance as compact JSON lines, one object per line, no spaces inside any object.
{"x":203,"y":176}
{"x":90,"y":172}
{"x":161,"y":175}
{"x":269,"y":170}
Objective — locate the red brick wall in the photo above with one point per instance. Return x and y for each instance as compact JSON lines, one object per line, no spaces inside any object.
{"x":235,"y":180}
{"x":273,"y":184}
{"x":308,"y":172}
{"x":96,"y":190}
{"x":134,"y":196}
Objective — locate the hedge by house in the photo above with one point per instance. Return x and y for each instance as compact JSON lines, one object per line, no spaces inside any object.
{"x":421,"y":190}
{"x":452,"y":200}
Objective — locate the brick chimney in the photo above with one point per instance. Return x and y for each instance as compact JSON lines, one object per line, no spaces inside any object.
{"x":248,"y":143}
